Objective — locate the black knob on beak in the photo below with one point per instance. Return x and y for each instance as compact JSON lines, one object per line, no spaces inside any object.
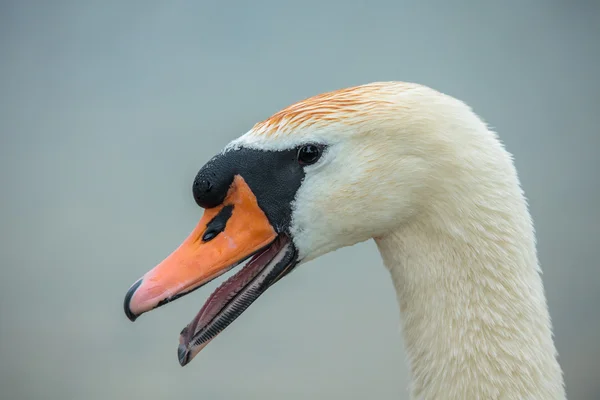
{"x":212,"y":182}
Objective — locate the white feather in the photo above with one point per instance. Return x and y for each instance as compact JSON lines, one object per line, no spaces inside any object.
{"x":421,"y":174}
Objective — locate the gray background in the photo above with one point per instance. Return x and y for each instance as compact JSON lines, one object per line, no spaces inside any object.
{"x":108,"y":109}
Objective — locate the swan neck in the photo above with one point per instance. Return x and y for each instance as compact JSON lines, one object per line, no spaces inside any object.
{"x":473,"y":310}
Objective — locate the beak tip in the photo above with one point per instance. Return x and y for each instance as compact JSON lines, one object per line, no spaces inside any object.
{"x":126,"y":303}
{"x":131,"y":316}
{"x":183,"y":355}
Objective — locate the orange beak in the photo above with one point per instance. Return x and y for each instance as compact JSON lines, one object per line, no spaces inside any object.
{"x":225,"y":236}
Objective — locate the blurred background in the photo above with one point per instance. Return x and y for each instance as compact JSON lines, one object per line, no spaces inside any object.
{"x":108,"y":109}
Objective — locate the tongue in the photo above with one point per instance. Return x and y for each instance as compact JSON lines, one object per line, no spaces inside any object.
{"x":228,"y":290}
{"x":232,"y":286}
{"x":235,"y":295}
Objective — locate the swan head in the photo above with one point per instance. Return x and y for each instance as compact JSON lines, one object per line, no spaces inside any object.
{"x":327,"y":172}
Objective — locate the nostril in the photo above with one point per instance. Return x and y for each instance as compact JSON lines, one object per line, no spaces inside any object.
{"x":217,"y":224}
{"x":210,"y":235}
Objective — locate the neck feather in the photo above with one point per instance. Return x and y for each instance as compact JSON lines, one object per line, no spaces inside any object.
{"x":473,"y":308}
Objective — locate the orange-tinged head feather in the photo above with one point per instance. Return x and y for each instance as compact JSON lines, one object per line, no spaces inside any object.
{"x":343,"y":106}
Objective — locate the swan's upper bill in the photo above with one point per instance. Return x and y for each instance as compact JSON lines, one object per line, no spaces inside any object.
{"x":417,"y":171}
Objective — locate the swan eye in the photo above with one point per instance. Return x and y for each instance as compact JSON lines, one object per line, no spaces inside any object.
{"x":309,"y":154}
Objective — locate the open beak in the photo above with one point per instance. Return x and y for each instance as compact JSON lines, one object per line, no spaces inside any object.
{"x":226,"y":236}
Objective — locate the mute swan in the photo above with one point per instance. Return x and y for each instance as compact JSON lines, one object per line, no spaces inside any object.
{"x":420,"y":173}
